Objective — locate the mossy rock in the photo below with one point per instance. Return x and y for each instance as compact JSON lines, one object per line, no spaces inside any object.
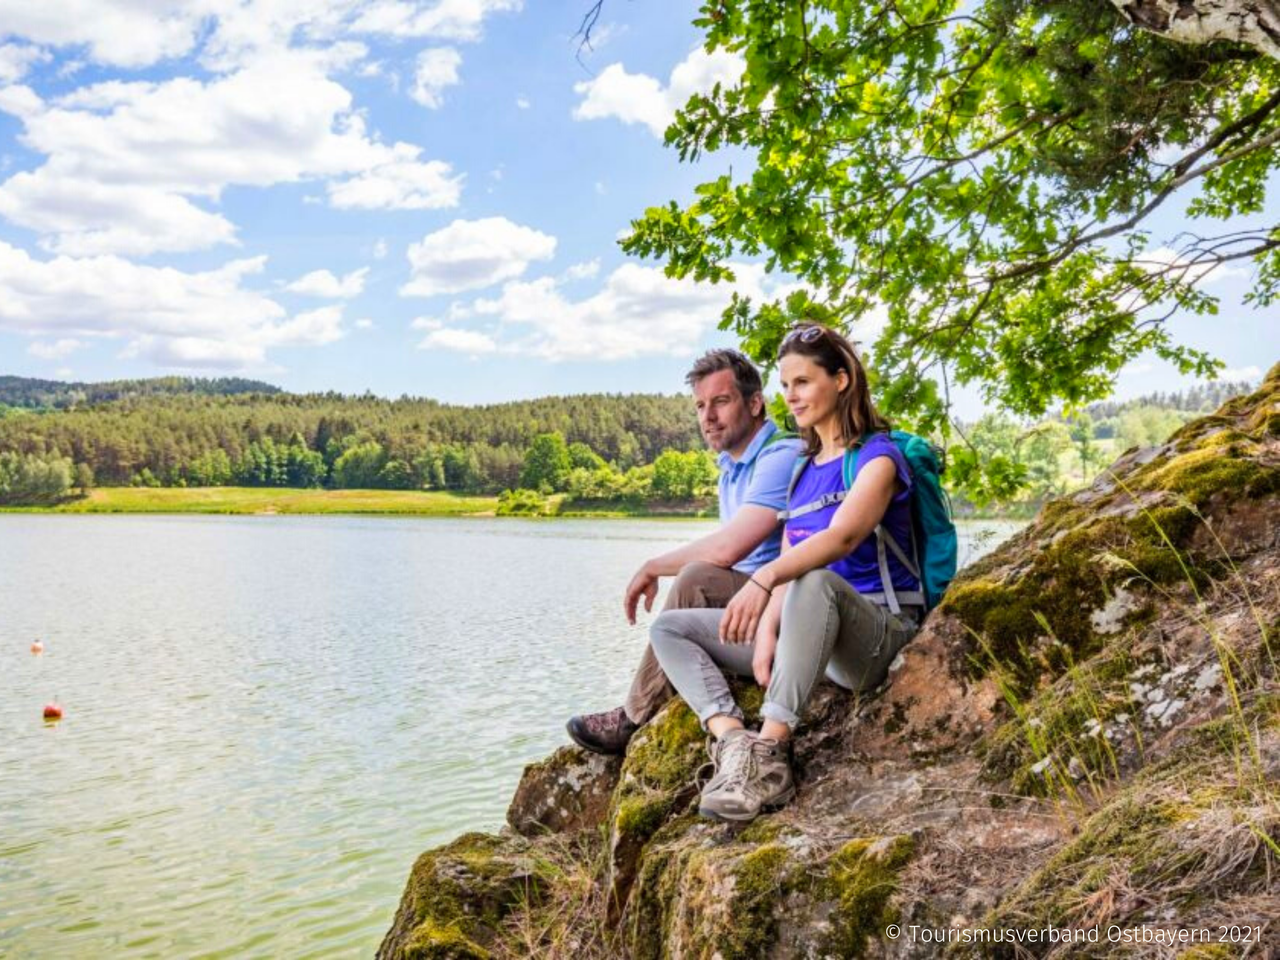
{"x":1188,"y":830}
{"x":861,"y":879}
{"x":457,"y":897}
{"x":657,"y":782}
{"x":699,"y":897}
{"x":1137,"y":524}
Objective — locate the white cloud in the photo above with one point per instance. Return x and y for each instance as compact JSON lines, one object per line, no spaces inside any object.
{"x":16,"y":59}
{"x":583,"y":271}
{"x":471,"y":254}
{"x":426,"y":323}
{"x":64,"y":373}
{"x":56,"y":350}
{"x":118,"y":34}
{"x":87,"y":217}
{"x":1241,"y":373}
{"x":445,"y":19}
{"x":364,"y":323}
{"x":639,"y":311}
{"x":133,"y":34}
{"x":640,"y":98}
{"x":462,"y":341}
{"x":126,"y":162}
{"x":206,"y":319}
{"x":322,"y":283}
{"x":1185,"y":269}
{"x":380,"y":249}
{"x":403,"y":183}
{"x":523,"y":103}
{"x":436,"y":69}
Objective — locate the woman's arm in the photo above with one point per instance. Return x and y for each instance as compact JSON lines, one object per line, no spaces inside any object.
{"x":854,"y":520}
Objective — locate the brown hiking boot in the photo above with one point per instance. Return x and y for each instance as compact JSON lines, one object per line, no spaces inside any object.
{"x":752,"y":775}
{"x":602,"y":732}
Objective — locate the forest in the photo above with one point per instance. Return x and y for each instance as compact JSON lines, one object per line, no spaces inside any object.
{"x":593,"y":449}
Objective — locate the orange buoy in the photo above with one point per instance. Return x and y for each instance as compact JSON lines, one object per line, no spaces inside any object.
{"x":37,"y":646}
{"x":52,"y":711}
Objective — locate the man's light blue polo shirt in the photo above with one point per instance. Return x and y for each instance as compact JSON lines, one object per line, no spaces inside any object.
{"x":761,"y":478}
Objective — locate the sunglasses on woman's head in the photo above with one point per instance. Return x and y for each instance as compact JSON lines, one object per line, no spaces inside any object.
{"x":803,"y":335}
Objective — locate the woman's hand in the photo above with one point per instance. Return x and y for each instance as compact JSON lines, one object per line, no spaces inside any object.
{"x":762,"y":660}
{"x":742,"y":616}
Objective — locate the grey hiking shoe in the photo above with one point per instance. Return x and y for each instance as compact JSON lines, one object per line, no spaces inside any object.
{"x":607,"y":732}
{"x":752,"y":775}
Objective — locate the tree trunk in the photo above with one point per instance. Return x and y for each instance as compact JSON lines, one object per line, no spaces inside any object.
{"x":1255,"y":23}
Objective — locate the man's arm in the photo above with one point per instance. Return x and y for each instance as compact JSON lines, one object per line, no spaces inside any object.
{"x":724,"y":547}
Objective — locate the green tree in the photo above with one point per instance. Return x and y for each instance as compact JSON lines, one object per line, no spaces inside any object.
{"x":304,"y":467}
{"x":1041,"y":450}
{"x":985,"y":174}
{"x":546,"y":464}
{"x":358,"y":467}
{"x":583,"y":457}
{"x":1082,"y":436}
{"x":679,"y":474}
{"x":83,"y":478}
{"x":1146,"y":426}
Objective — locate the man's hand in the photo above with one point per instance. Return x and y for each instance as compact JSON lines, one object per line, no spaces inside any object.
{"x":762,"y":659}
{"x":742,"y":616}
{"x":643,"y":584}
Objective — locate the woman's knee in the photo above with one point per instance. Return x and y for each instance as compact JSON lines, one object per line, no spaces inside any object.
{"x":669,"y":632}
{"x":813,"y":587}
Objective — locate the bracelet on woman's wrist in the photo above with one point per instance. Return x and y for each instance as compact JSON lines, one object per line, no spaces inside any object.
{"x":760,"y":585}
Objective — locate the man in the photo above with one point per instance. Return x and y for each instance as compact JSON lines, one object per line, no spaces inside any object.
{"x":755,"y":469}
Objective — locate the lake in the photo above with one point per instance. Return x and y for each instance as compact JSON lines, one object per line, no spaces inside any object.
{"x":269,"y":718}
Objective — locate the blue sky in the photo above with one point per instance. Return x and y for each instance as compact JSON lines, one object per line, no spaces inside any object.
{"x":402,"y":196}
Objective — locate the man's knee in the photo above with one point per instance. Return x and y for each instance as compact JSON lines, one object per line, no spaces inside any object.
{"x":693,"y":584}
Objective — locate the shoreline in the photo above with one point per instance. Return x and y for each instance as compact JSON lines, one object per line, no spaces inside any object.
{"x":293,"y":501}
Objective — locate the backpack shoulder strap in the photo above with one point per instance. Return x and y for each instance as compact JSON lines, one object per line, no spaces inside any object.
{"x":797,"y":468}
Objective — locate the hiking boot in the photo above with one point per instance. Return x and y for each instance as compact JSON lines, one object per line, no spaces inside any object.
{"x":752,"y":775}
{"x":607,"y":732}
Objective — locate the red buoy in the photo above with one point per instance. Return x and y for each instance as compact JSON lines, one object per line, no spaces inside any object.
{"x":37,"y":646}
{"x":52,"y":711}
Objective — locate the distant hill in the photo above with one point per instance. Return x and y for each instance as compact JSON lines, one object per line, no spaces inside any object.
{"x":1198,"y":399}
{"x":33,"y":394}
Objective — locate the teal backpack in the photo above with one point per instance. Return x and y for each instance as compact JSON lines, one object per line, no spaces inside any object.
{"x":933,"y":534}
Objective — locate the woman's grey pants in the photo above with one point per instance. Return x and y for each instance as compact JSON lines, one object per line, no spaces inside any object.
{"x":826,"y":626}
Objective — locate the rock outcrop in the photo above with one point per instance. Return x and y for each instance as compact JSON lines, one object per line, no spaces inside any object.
{"x":1084,"y":736}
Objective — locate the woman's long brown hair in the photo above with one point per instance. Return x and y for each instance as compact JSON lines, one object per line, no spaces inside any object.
{"x":856,"y":413}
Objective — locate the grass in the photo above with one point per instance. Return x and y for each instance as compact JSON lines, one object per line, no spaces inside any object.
{"x":268,"y":500}
{"x":290,"y":500}
{"x":1087,"y":700}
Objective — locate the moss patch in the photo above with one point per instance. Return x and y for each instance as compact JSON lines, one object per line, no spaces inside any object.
{"x":1065,"y":583}
{"x":432,"y":942}
{"x":458,"y":895}
{"x":759,"y":882}
{"x":862,"y":877}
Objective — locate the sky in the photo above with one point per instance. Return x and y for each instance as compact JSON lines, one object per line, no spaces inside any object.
{"x":416,"y":197}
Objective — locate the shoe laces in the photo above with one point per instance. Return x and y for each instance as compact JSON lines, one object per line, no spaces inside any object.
{"x":739,"y":761}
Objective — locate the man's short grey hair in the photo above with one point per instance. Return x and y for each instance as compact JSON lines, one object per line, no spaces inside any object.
{"x":745,"y":374}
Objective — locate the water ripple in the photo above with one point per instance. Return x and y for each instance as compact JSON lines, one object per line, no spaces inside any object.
{"x":268,"y":721}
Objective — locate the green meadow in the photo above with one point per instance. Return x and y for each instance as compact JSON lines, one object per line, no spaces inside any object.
{"x":269,"y":500}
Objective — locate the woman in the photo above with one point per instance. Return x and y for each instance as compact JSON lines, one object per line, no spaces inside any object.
{"x":819,"y":606}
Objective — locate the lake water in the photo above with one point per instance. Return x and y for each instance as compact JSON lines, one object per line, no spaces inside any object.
{"x":269,"y":718}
